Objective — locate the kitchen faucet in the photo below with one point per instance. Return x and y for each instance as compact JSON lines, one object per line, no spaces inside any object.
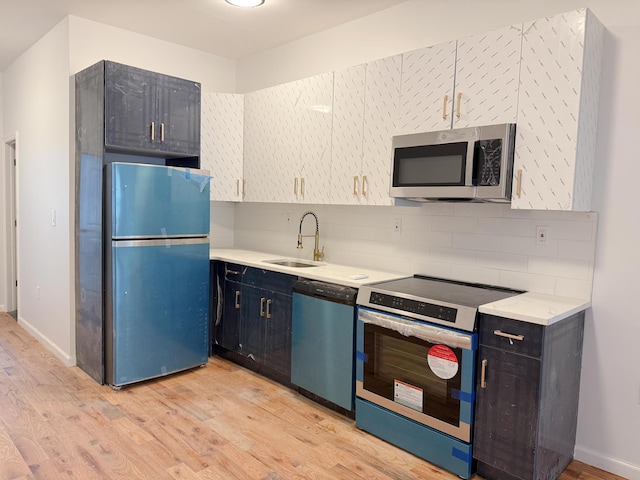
{"x":317,"y":254}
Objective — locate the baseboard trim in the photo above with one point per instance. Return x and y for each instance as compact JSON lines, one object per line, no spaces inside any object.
{"x":613,"y":465}
{"x":52,"y":347}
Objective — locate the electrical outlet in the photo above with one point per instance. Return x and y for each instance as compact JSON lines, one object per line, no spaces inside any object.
{"x":397,"y":225}
{"x":542,"y":233}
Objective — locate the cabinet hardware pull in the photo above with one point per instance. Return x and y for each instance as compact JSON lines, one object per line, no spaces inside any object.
{"x":364,"y":185}
{"x":483,"y":375}
{"x":269,"y":308}
{"x":162,"y":132}
{"x":302,"y":186}
{"x":244,"y":184}
{"x":458,"y":98}
{"x":262,"y":306}
{"x":295,"y":186}
{"x":355,"y":185}
{"x":238,"y":187}
{"x":519,"y":182}
{"x":444,"y":107}
{"x":500,"y":333}
{"x":153,"y":131}
{"x":237,"y":297}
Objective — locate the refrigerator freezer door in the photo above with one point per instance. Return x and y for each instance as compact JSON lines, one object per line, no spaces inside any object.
{"x":150,"y":201}
{"x":159,"y":308}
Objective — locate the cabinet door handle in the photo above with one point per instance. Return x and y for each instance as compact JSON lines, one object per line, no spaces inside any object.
{"x":262,"y":306}
{"x":445,"y":100}
{"x":153,"y":131}
{"x":244,"y":185}
{"x":355,"y":185}
{"x":238,"y":187}
{"x":162,"y":132}
{"x":519,"y":183}
{"x":500,"y":333}
{"x":238,"y":299}
{"x":483,"y":375}
{"x":269,"y":308}
{"x":302,"y":186}
{"x":364,"y":185}
{"x":458,"y":101}
{"x":295,"y":186}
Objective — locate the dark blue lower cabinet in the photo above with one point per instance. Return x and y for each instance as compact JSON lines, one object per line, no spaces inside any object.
{"x":527,"y":397}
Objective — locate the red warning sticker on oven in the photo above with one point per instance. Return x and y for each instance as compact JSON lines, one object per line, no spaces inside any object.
{"x":442,"y":361}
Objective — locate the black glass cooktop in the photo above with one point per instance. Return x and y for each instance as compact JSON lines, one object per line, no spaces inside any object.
{"x":446,"y":302}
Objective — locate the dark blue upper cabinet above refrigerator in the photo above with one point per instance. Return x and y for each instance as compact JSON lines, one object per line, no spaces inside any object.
{"x":150,"y":112}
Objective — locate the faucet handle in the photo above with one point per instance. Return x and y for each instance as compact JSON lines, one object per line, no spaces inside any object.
{"x":320,"y":254}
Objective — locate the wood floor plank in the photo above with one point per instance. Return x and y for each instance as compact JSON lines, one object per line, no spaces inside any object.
{"x":221,"y":422}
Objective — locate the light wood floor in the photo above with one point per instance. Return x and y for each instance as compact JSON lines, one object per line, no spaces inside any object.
{"x":218,"y":422}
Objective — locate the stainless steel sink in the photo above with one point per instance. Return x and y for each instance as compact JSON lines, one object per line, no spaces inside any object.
{"x":287,"y":262}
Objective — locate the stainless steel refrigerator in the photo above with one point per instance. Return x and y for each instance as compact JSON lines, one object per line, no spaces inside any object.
{"x":156,"y":264}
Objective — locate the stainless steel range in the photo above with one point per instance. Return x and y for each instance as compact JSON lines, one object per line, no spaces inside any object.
{"x":416,"y":362}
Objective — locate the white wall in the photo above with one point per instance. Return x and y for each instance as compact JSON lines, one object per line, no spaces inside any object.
{"x":3,"y":234}
{"x":91,"y":42}
{"x":609,"y":414}
{"x":36,"y":106}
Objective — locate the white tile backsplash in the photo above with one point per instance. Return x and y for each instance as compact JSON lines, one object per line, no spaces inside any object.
{"x":487,"y":243}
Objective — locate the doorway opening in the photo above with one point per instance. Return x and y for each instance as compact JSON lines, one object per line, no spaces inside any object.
{"x":11,"y":225}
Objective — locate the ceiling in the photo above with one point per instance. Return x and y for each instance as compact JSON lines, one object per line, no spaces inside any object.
{"x":209,"y":25}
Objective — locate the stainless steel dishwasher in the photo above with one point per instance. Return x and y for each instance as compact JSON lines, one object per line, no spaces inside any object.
{"x":323,"y":341}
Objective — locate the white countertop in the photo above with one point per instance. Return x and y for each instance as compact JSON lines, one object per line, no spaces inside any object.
{"x":536,"y":308}
{"x":325,"y":272}
{"x":529,"y":307}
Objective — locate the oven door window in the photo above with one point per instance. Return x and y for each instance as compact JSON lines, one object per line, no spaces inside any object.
{"x":416,"y":373}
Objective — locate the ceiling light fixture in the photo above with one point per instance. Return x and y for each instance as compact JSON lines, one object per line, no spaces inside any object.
{"x":245,"y":3}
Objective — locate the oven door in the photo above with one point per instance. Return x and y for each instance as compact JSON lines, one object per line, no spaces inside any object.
{"x":418,"y":370}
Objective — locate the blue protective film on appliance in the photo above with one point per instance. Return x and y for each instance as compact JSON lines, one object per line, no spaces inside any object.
{"x":362,"y":356}
{"x":463,"y":396}
{"x":459,"y":454}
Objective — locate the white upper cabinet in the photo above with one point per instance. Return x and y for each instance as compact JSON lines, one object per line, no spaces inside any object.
{"x":471,"y":82}
{"x":487,"y":73}
{"x":222,"y":120}
{"x":366,"y":99}
{"x":426,"y":93}
{"x":288,"y":141}
{"x":557,"y":112}
{"x":312,"y":180}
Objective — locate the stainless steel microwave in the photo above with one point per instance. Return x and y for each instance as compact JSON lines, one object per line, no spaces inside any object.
{"x":473,"y":164}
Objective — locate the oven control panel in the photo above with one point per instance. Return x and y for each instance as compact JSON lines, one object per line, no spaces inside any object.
{"x":416,"y":307}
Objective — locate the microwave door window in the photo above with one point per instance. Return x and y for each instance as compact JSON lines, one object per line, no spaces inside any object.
{"x":431,"y":165}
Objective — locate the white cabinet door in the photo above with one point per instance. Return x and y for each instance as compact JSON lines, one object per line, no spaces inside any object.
{"x":259,"y":146}
{"x":347,"y":134}
{"x":487,"y":75}
{"x":221,"y":148}
{"x":426,"y":94}
{"x":557,"y":112}
{"x":313,"y":114}
{"x":485,"y":68}
{"x":366,"y":99}
{"x":382,"y":99}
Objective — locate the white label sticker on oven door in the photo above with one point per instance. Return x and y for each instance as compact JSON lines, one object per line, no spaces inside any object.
{"x":407,"y":395}
{"x":443,"y":361}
